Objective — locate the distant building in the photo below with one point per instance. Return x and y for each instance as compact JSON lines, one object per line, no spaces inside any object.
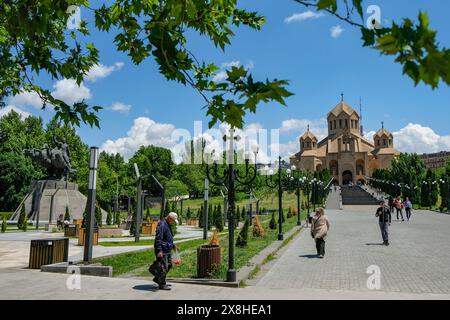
{"x":345,"y":152}
{"x":435,"y":160}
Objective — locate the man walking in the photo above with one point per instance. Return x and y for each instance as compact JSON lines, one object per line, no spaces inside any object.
{"x":163,"y":245}
{"x":384,"y":215}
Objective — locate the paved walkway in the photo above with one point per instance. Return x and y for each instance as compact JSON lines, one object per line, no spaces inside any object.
{"x":33,"y":284}
{"x":15,"y":246}
{"x":333,"y":199}
{"x":417,"y":261}
{"x":415,"y":266}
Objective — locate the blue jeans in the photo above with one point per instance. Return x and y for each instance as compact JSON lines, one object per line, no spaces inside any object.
{"x":384,"y":227}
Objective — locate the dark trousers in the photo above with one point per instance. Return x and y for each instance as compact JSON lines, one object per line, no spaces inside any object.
{"x":320,"y":246}
{"x":408,"y":213}
{"x":384,"y":227}
{"x":167,"y":265}
{"x":401,"y":213}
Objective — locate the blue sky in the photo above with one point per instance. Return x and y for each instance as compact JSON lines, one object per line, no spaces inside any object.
{"x":318,"y":66}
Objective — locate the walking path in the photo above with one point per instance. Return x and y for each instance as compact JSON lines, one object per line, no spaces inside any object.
{"x":333,"y":200}
{"x":417,"y":261}
{"x":415,"y":266}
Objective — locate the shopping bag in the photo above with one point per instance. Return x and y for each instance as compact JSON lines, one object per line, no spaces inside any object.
{"x":176,"y":258}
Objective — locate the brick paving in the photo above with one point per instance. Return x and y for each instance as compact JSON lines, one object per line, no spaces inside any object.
{"x":417,"y":261}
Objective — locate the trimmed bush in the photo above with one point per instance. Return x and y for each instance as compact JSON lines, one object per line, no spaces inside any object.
{"x":273,"y":222}
{"x":241,"y":241}
{"x":258,"y":230}
{"x":188,"y":213}
{"x":22,"y":218}
{"x":133,"y":223}
{"x":289,"y":214}
{"x":67,"y":214}
{"x":4,"y":226}
{"x":218,"y":218}
{"x":98,"y":216}
{"x":109,"y":218}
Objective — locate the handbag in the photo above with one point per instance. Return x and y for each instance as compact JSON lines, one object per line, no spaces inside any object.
{"x":157,"y":267}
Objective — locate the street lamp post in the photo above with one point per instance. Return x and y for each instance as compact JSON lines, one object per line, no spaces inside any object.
{"x":137,"y":222}
{"x":163,"y":197}
{"x":271,"y":183}
{"x":314,"y":192}
{"x":205,"y":210}
{"x":90,"y":206}
{"x":299,"y":184}
{"x":229,"y":176}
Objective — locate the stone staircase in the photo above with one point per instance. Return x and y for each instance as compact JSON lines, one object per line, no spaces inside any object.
{"x":357,"y":196}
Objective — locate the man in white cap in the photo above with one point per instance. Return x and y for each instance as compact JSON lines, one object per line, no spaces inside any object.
{"x":163,"y":245}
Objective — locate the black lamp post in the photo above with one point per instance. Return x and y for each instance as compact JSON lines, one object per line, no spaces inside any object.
{"x":314,"y":193}
{"x":229,"y":175}
{"x":278,"y":183}
{"x":299,"y":183}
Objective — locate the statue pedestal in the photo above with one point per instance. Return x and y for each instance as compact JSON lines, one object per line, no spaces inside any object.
{"x":49,"y":199}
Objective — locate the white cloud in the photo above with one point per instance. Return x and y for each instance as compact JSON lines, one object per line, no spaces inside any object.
{"x":369,"y":135}
{"x":221,"y":75}
{"x":100,"y":71}
{"x":336,"y":31}
{"x":144,"y":132}
{"x":70,"y":92}
{"x":4,"y":111}
{"x":317,"y":127}
{"x":26,"y":98}
{"x":419,"y":139}
{"x":120,"y":107}
{"x":230,"y":64}
{"x":297,"y":17}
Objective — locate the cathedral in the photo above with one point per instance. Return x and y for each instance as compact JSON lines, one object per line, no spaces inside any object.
{"x":345,"y":152}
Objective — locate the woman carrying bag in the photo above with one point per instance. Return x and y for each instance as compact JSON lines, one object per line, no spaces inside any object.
{"x":319,"y":229}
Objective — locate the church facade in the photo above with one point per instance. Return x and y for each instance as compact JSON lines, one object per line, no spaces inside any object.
{"x":348,"y":155}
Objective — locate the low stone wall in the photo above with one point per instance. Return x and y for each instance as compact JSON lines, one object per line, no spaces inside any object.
{"x":109,"y":232}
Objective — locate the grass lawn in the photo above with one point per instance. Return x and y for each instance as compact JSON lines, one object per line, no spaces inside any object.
{"x":136,"y":263}
{"x":147,"y":242}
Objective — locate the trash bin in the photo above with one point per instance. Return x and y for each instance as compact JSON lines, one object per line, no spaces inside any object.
{"x":208,"y":259}
{"x":82,"y":236}
{"x":48,"y":251}
{"x":71,"y":230}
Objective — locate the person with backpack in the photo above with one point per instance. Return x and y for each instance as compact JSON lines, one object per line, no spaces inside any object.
{"x":319,"y":230}
{"x":384,"y":219}
{"x":408,"y":208}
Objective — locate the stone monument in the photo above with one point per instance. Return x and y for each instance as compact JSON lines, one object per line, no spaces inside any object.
{"x":48,"y":197}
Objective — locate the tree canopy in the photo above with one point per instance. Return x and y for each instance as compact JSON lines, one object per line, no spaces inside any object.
{"x":34,"y":39}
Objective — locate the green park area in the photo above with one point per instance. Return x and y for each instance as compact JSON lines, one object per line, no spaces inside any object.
{"x":137,"y":263}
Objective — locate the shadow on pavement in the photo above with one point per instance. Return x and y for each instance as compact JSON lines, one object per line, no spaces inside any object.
{"x":310,"y":256}
{"x":146,"y":287}
{"x":374,"y":244}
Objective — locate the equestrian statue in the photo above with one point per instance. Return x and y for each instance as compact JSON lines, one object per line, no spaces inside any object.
{"x":56,"y":160}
